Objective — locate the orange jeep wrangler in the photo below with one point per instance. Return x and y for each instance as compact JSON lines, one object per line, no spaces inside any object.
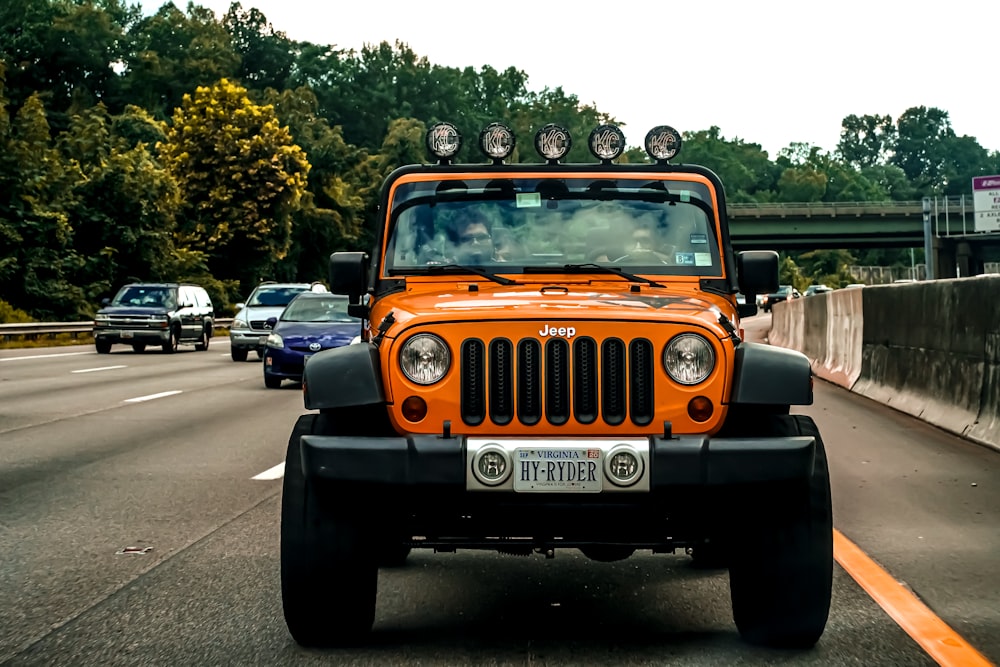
{"x":552,"y":358}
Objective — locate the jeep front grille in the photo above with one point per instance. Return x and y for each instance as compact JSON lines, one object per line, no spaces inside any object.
{"x":583,"y":380}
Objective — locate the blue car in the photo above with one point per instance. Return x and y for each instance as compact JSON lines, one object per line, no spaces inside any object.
{"x":311,"y":322}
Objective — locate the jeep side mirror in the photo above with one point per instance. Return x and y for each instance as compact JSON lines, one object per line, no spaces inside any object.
{"x":757,"y":273}
{"x":270,"y":322}
{"x":349,"y":274}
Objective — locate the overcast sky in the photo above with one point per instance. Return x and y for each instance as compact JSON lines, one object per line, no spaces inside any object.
{"x":769,"y":72}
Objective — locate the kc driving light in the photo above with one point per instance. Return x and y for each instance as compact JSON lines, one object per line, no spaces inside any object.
{"x":688,"y":359}
{"x":663,"y":143}
{"x":606,"y":142}
{"x":491,"y":465}
{"x":424,"y":359}
{"x":623,"y":466}
{"x":497,"y":141}
{"x":443,"y":140}
{"x":553,"y":142}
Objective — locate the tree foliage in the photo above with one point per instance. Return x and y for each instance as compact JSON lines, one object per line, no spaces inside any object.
{"x":242,"y":176}
{"x":181,"y":145}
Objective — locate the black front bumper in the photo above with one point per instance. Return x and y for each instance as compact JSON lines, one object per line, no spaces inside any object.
{"x":417,"y":461}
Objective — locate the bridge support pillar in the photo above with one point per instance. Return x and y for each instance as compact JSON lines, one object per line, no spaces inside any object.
{"x":968,"y":260}
{"x":944,"y":258}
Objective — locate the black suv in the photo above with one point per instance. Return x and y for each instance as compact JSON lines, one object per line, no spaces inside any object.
{"x":164,"y":314}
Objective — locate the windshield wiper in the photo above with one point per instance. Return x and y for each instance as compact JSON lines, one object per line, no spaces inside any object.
{"x":609,"y":269}
{"x":440,"y":268}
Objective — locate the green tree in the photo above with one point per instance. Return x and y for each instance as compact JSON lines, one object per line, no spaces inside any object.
{"x":342,"y":188}
{"x":923,"y":135}
{"x":37,"y":263}
{"x":123,"y":207}
{"x":826,"y":267}
{"x":745,"y":170}
{"x":966,"y":159}
{"x":266,"y":55}
{"x":866,"y":141}
{"x":171,"y":53}
{"x":802,"y":184}
{"x":242,"y":176}
{"x":64,"y":50}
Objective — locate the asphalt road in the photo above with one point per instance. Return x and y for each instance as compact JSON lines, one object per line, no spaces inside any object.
{"x":87,"y":472}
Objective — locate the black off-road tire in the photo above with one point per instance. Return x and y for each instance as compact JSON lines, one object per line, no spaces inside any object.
{"x":780,"y":577}
{"x":329,"y":576}
{"x":102,"y":346}
{"x":175,"y":341}
{"x":206,"y":335}
{"x":238,"y":353}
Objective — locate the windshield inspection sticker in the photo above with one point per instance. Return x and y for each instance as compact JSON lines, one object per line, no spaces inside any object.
{"x":703,"y":259}
{"x":684,"y":258}
{"x":698,"y":239}
{"x":529,"y":199}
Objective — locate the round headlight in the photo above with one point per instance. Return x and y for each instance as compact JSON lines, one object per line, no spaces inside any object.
{"x":688,"y":359}
{"x":663,"y":143}
{"x":424,"y":359}
{"x":553,"y":142}
{"x":606,"y":142}
{"x":491,"y":465}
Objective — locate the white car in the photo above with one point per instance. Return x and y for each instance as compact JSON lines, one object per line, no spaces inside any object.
{"x":250,"y":329}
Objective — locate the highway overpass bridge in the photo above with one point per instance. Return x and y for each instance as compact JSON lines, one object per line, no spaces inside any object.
{"x":947,"y":234}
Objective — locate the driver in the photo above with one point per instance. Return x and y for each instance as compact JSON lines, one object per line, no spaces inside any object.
{"x":472,"y":238}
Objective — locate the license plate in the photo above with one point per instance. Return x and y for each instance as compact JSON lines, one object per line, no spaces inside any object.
{"x":126,"y":334}
{"x":558,"y":470}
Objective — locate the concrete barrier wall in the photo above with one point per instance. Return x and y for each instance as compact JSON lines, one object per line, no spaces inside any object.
{"x":930,"y":349}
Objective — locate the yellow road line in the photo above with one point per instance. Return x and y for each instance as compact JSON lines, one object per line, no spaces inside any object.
{"x":934,"y":635}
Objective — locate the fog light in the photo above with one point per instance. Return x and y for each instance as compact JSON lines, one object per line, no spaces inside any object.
{"x":700,"y":409}
{"x":414,"y":409}
{"x":491,"y":465}
{"x":623,"y":466}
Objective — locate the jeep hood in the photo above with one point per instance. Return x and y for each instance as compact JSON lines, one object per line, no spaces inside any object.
{"x":556,"y":302}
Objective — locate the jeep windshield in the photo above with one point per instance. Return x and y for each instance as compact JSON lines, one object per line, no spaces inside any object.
{"x":531,"y":225}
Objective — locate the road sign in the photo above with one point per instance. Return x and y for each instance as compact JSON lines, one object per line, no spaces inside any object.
{"x":986,"y":202}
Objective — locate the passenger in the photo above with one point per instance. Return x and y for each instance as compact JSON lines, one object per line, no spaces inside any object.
{"x":644,"y":247}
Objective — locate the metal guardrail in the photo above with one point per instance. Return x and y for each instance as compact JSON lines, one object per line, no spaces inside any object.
{"x":52,"y":329}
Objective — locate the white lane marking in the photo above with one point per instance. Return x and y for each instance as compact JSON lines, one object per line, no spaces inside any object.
{"x":277,"y":472}
{"x":152,"y":396}
{"x":102,"y":368}
{"x":46,"y":356}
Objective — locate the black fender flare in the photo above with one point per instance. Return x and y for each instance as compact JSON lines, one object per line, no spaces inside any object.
{"x":343,"y":377}
{"x":768,"y":375}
